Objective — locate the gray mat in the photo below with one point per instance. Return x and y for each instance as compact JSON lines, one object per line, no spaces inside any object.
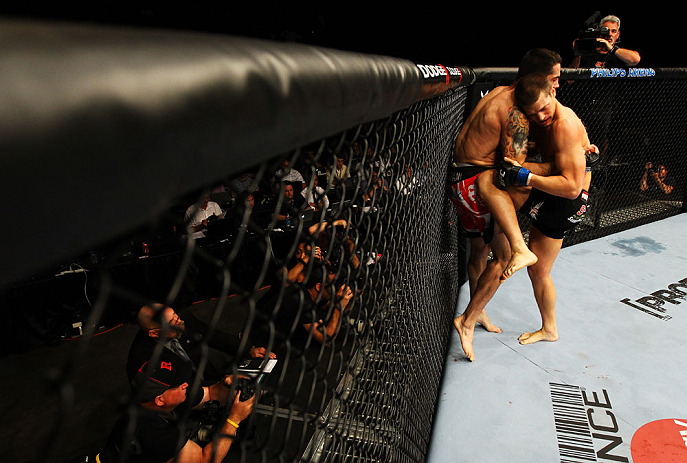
{"x":612,"y":388}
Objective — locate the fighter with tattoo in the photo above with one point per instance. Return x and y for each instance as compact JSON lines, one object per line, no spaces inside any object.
{"x":495,"y":129}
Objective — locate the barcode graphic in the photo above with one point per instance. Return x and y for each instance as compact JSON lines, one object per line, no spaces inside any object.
{"x":572,"y":426}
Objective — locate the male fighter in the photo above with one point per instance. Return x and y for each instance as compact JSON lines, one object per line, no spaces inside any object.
{"x":555,"y":203}
{"x":496,"y":124}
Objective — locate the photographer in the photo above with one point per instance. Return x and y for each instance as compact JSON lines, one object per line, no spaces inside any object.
{"x":659,"y":179}
{"x":287,"y":318}
{"x":598,"y":48}
{"x":153,"y":430}
{"x":187,"y":338}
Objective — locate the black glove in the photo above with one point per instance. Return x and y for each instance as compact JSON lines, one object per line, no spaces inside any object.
{"x":592,"y":159}
{"x":510,"y":175}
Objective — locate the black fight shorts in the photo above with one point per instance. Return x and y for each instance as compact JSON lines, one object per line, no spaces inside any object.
{"x":553,"y":215}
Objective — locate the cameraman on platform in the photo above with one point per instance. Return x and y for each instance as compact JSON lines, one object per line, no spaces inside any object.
{"x":606,"y":53}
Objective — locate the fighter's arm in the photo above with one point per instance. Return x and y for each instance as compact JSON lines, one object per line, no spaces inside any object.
{"x":537,"y":164}
{"x":570,"y":162}
{"x":548,"y":167}
{"x":540,"y":168}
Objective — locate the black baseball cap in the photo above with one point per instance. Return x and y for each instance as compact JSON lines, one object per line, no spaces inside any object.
{"x":154,"y":378}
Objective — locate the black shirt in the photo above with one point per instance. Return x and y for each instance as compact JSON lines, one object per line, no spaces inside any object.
{"x":224,"y":348}
{"x":156,"y":438}
{"x":289,"y":314}
{"x":601,"y":60}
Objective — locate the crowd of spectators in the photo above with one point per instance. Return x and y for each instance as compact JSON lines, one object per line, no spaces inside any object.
{"x":177,"y":366}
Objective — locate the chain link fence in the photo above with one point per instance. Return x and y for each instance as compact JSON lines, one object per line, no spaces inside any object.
{"x":387,"y":232}
{"x":338,"y":256}
{"x":636,"y":123}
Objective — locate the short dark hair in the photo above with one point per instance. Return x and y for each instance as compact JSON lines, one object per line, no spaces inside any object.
{"x":529,"y":88}
{"x":538,"y":60}
{"x":317,"y":275}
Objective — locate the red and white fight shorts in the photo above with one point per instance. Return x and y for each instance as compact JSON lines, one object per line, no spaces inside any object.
{"x":473,"y":214}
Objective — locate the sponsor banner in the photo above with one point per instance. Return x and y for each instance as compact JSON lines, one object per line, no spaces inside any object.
{"x":620,"y":72}
{"x":661,"y":441}
{"x":587,"y":430}
{"x":439,"y":71}
{"x":658,"y":303}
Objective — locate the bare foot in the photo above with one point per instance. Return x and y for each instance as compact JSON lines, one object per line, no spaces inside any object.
{"x":486,"y":323}
{"x":541,"y":335}
{"x":519,"y":260}
{"x":466,"y":335}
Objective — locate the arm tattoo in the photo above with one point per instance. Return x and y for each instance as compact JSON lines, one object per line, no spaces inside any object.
{"x":514,"y":141}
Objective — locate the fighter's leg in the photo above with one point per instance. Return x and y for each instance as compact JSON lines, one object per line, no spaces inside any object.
{"x":547,"y":250}
{"x":502,"y":210}
{"x":487,"y":284}
{"x":477,"y":262}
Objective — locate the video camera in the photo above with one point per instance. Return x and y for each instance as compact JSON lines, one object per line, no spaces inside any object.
{"x":586,"y":43}
{"x":586,"y":38}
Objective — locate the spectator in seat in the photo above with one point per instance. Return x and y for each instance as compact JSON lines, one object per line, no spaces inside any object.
{"x":316,"y":197}
{"x":288,"y":174}
{"x":197,"y":216}
{"x":656,"y":179}
{"x":340,"y":172}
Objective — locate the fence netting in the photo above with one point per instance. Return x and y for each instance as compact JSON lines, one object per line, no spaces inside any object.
{"x":341,"y":258}
{"x":638,"y":126}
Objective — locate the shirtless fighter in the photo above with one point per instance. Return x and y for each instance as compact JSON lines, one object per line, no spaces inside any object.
{"x":555,"y":203}
{"x":495,"y":128}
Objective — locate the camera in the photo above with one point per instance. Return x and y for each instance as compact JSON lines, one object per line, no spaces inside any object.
{"x":586,"y":42}
{"x":202,"y":424}
{"x":245,"y":388}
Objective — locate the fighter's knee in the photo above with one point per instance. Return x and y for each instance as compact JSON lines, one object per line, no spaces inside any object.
{"x":536,"y":272}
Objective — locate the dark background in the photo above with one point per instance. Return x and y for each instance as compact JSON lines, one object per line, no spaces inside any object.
{"x":450,"y":33}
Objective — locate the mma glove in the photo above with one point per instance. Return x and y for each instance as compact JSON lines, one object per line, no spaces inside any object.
{"x":592,"y":160}
{"x":510,"y":175}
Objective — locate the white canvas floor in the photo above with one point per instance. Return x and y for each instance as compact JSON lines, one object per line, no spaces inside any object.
{"x":612,"y":388}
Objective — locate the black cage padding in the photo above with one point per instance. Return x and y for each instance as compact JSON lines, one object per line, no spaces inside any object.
{"x":102,"y":127}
